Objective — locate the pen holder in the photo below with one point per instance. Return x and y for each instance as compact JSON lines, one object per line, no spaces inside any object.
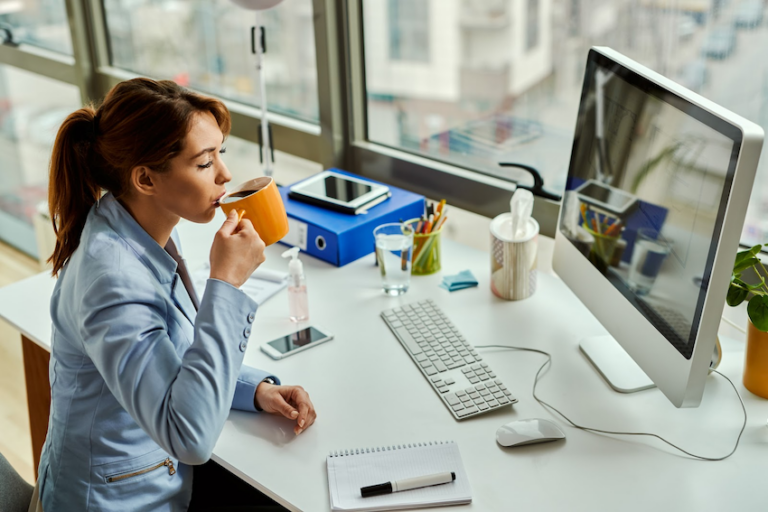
{"x":601,"y":252}
{"x":426,"y":251}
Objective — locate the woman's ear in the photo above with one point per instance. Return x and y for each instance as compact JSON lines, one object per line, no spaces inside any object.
{"x":143,"y":180}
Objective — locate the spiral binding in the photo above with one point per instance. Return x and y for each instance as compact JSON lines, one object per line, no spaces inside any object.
{"x":363,"y":451}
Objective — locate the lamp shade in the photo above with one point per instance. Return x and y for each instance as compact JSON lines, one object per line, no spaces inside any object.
{"x":256,"y":5}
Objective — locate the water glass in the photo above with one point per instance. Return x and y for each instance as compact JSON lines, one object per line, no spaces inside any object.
{"x":394,"y":246}
{"x":649,"y":253}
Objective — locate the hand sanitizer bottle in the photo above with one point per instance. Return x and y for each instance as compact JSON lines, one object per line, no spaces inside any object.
{"x":298,"y":308}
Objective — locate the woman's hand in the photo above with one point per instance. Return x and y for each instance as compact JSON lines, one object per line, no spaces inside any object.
{"x":289,"y":401}
{"x":236,"y":252}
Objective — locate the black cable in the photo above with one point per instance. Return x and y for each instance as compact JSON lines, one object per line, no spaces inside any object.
{"x":590,"y":429}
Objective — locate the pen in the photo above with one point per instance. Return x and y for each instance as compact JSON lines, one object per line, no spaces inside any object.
{"x":407,"y":484}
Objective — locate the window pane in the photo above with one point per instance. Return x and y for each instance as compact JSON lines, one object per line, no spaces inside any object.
{"x":31,"y":109}
{"x":42,"y":23}
{"x":500,"y":80}
{"x":206,"y":45}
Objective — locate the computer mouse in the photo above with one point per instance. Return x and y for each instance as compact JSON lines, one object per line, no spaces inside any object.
{"x":523,"y":432}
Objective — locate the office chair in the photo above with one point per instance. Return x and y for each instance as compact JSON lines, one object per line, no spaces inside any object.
{"x":15,"y":492}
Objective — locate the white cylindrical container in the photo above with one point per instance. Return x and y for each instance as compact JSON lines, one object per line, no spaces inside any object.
{"x":513,"y":262}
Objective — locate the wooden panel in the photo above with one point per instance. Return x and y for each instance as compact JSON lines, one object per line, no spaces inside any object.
{"x":38,"y":394}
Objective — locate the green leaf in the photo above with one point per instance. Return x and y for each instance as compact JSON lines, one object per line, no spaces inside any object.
{"x":743,"y":255}
{"x":735,"y":295}
{"x":758,"y":312}
{"x":745,"y":264}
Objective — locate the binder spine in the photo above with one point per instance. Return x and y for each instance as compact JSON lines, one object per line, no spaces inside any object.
{"x":363,"y":451}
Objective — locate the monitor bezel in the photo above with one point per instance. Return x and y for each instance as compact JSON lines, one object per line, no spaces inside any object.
{"x":679,"y":378}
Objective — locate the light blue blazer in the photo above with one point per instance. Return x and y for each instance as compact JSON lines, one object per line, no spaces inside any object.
{"x":141,"y":383}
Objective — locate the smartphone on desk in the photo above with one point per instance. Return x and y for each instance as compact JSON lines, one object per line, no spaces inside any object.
{"x":296,"y":341}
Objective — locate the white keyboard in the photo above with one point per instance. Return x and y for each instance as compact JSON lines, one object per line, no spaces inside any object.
{"x":466,"y":384}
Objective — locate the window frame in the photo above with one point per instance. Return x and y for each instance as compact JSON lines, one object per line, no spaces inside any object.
{"x":339,"y":140}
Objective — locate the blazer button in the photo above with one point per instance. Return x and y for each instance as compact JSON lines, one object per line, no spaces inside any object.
{"x":247,"y":332}
{"x":251,"y":316}
{"x":243,"y":345}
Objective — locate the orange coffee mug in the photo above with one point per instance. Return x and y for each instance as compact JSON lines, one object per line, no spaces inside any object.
{"x":259,"y":201}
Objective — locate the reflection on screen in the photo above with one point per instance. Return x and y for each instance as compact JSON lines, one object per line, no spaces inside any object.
{"x":338,"y":188}
{"x":644,"y":196}
{"x":296,"y":340}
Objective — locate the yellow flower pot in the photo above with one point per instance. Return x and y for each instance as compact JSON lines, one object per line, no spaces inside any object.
{"x":756,"y":361}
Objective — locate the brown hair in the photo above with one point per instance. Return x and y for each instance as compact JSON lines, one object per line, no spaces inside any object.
{"x":140,"y":122}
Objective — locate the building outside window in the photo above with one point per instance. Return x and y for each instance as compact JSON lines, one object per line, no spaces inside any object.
{"x":532,"y":25}
{"x":205,"y":45}
{"x":505,"y":77}
{"x":409,"y":30}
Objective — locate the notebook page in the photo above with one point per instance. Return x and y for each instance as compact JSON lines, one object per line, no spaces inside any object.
{"x":347,"y":474}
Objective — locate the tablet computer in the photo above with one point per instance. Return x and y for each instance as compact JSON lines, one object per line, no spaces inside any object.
{"x":340,"y":192}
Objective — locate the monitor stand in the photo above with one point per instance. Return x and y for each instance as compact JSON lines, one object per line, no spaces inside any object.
{"x":615,"y":365}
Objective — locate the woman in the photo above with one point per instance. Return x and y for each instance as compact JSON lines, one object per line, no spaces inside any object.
{"x":142,"y":375}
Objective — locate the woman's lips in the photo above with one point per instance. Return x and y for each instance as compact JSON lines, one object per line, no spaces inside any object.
{"x":216,"y":201}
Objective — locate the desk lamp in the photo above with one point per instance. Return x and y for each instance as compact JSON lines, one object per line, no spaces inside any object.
{"x":258,"y":47}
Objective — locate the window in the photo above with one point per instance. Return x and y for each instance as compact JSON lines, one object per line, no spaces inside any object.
{"x":505,"y":84}
{"x":409,"y":30}
{"x":31,"y":110}
{"x":532,"y":25}
{"x":42,"y":23}
{"x":206,"y":45}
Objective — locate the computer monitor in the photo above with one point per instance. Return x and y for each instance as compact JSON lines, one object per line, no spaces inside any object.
{"x":657,"y":190}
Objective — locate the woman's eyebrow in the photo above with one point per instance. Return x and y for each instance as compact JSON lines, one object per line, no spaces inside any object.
{"x":207,"y":150}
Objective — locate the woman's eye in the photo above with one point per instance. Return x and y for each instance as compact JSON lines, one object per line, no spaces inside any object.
{"x":223,"y":150}
{"x":206,"y":165}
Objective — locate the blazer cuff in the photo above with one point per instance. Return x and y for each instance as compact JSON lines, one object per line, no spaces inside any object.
{"x":245,"y":389}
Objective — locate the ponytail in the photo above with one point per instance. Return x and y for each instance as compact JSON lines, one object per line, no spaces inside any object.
{"x":71,"y":189}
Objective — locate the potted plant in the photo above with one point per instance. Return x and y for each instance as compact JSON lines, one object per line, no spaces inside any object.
{"x":756,"y":352}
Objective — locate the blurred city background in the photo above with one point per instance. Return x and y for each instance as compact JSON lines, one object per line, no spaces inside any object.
{"x":467,"y":82}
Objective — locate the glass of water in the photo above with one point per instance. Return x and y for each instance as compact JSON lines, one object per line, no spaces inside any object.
{"x":647,"y":257}
{"x":394,"y":245}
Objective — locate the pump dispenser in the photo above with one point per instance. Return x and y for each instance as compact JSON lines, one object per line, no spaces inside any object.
{"x":298,"y":308}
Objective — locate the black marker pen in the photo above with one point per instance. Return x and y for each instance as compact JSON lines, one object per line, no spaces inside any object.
{"x":407,"y":484}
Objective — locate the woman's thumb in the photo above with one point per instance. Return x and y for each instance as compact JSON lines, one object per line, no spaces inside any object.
{"x":230,"y":224}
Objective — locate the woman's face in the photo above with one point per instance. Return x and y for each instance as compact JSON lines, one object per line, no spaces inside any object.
{"x":195,"y":178}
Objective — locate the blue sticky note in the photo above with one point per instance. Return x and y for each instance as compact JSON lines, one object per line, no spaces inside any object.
{"x":463,"y":279}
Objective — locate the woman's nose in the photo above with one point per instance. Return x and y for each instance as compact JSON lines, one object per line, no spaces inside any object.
{"x":224,"y":176}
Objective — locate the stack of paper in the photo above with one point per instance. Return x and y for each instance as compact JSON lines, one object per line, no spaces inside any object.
{"x":262,"y":284}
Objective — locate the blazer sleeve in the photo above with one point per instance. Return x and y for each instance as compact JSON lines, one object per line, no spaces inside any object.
{"x":245,"y":391}
{"x":180,"y":401}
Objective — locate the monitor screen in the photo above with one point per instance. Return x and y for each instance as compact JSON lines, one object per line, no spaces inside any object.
{"x":647,"y":189}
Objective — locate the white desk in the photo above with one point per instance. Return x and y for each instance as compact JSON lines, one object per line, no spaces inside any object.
{"x":368,"y":393}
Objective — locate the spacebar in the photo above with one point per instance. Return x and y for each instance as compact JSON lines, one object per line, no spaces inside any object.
{"x":413,"y":347}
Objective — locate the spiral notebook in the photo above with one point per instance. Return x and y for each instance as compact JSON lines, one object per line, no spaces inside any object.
{"x":349,"y":470}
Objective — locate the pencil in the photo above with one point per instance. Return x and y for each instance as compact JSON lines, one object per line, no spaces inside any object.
{"x":441,"y":206}
{"x":584,"y":214}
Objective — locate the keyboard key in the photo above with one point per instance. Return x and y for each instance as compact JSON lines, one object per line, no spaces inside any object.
{"x":456,"y":364}
{"x":457,"y":407}
{"x":444,"y":389}
{"x":436,"y":379}
{"x":450,"y":381}
{"x":452,"y":399}
{"x":409,"y":342}
{"x":471,"y":409}
{"x":480,"y":386}
{"x":421,"y":357}
{"x":476,"y":367}
{"x":426,"y":364}
{"x":440,"y":385}
{"x":498,"y":395}
{"x":466,"y":370}
{"x":474,"y":380}
{"x":440,"y":366}
{"x":503,"y":400}
{"x":492,"y":375}
{"x":493,"y":403}
{"x":484,"y":377}
{"x":461,"y":393}
{"x":479,"y":401}
{"x":430,"y":371}
{"x":483,"y":406}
